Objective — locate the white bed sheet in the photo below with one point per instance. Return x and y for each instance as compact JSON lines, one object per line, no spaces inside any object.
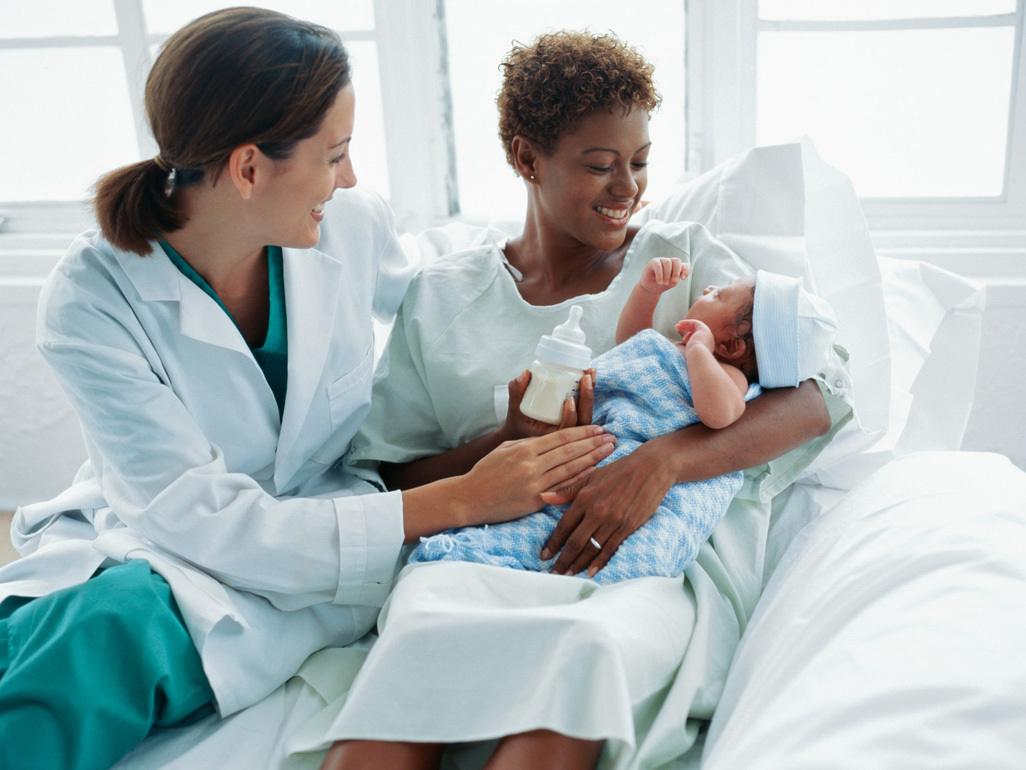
{"x":891,"y":633}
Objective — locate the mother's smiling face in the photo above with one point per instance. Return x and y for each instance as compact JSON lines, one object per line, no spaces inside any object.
{"x":587,"y":188}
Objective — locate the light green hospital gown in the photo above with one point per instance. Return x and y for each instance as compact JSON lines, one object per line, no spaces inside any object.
{"x":470,"y":652}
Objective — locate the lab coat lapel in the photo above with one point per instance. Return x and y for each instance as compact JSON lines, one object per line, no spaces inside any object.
{"x":312,"y":285}
{"x":156,"y":279}
{"x":204,"y":320}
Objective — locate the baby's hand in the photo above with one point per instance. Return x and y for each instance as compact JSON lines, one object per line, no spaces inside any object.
{"x":695,"y":332}
{"x":663,"y":273}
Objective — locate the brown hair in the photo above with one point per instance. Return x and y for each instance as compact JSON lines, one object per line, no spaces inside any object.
{"x":230,"y":77}
{"x":564,"y":76}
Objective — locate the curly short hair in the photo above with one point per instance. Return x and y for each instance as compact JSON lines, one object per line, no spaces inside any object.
{"x":564,"y":76}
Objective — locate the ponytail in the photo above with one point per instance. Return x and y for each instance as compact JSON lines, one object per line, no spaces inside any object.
{"x":132,"y":207}
{"x":233,"y":76}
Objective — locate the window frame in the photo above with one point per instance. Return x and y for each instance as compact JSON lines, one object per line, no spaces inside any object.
{"x":420,"y":162}
{"x":721,"y":81}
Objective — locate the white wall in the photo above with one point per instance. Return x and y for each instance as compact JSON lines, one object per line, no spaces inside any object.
{"x":42,"y":445}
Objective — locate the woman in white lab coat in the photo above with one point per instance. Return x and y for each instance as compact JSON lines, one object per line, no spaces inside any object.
{"x":219,"y":365}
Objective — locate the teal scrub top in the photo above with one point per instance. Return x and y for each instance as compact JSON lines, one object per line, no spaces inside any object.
{"x":273,"y":355}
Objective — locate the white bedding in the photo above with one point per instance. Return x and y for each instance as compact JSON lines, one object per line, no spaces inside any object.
{"x":891,"y":634}
{"x":892,"y":626}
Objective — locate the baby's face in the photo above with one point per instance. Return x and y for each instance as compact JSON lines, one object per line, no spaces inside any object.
{"x":720,"y":307}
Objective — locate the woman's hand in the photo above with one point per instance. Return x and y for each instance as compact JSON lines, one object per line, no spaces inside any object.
{"x":619,"y":497}
{"x":615,"y":500}
{"x":510,"y":480}
{"x":575,"y":412}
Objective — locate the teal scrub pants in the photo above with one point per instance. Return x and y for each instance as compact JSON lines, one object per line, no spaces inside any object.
{"x":87,"y":671}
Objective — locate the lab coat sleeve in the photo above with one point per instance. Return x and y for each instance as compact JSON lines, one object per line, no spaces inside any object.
{"x":396,"y":267}
{"x":344,"y":221}
{"x":170,"y":485}
{"x":403,"y":423}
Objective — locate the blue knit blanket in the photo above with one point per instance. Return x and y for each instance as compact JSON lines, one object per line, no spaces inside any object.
{"x":642,"y":391}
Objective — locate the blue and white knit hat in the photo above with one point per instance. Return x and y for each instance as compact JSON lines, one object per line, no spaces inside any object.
{"x":793,"y":331}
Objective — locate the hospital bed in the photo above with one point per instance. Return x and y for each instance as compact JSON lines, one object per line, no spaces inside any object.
{"x":891,"y":630}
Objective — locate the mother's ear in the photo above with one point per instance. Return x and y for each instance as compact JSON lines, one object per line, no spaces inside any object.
{"x":525,"y":158}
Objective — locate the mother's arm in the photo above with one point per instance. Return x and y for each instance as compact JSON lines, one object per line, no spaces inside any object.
{"x":621,"y":496}
{"x":462,"y":459}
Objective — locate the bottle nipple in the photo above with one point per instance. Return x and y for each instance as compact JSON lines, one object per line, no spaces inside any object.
{"x":566,"y":345}
{"x":571,"y":331}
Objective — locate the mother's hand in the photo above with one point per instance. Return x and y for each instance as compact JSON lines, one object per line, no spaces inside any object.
{"x":621,"y":496}
{"x":575,"y":411}
{"x":614,"y":501}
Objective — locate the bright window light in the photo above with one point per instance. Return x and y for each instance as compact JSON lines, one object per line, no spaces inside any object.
{"x":58,"y":148}
{"x":920,"y":113}
{"x":479,"y":36}
{"x":370,"y":162}
{"x":880,"y":9}
{"x":49,"y":18}
{"x":72,"y":119}
{"x":163,"y":17}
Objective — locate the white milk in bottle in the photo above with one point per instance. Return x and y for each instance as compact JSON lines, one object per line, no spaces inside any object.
{"x":560,"y":361}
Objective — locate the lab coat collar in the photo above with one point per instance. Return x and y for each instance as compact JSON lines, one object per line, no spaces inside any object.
{"x":156,"y":279}
{"x":312,"y":287}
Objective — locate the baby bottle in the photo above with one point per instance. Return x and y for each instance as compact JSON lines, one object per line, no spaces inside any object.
{"x":559,"y":364}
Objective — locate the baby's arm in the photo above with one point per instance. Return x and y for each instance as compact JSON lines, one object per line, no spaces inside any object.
{"x":658,"y":276}
{"x":717,"y":389}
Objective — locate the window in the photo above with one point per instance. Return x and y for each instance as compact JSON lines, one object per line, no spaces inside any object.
{"x":914,"y":99}
{"x":920,"y":102}
{"x":76,"y":69}
{"x":479,"y":36}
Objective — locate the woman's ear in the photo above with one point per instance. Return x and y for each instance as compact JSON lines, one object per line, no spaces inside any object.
{"x":525,"y":157}
{"x":243,"y":168}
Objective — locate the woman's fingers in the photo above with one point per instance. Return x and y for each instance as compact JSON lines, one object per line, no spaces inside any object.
{"x":618,"y":498}
{"x":609,"y":547}
{"x":566,"y":463}
{"x":583,"y":546}
{"x":586,"y":398}
{"x":517,"y":387}
{"x":595,"y":553}
{"x":566,"y":492}
{"x":568,"y":444}
{"x":564,"y":527}
{"x":569,"y":418}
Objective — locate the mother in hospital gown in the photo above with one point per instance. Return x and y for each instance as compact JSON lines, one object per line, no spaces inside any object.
{"x":554,"y":663}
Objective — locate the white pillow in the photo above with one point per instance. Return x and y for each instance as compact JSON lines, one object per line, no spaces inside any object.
{"x":783,"y":209}
{"x":891,"y":634}
{"x":934,"y":320}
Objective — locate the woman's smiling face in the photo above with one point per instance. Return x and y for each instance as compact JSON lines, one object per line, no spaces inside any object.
{"x":302,"y":184}
{"x":592,"y":182}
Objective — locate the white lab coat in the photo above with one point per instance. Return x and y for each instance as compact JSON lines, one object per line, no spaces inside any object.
{"x":271,"y":550}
